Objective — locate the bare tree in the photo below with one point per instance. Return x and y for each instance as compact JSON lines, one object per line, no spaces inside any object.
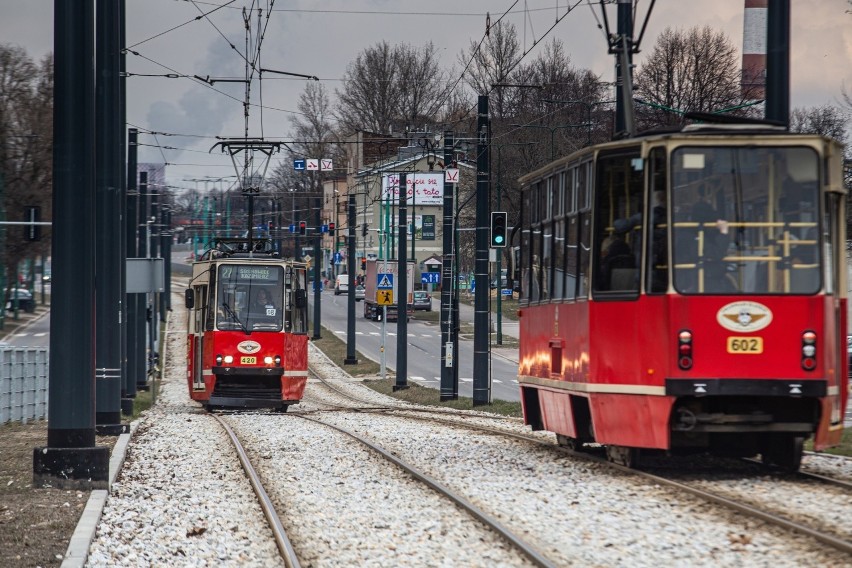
{"x":422,"y":80}
{"x":26,"y":139}
{"x":372,"y":93}
{"x":492,"y":62}
{"x":696,"y":70}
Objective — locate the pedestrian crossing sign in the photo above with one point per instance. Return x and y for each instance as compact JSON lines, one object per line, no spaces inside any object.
{"x":384,"y":297}
{"x":385,"y":281}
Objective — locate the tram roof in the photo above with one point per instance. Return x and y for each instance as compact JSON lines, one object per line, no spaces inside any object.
{"x":744,"y":132}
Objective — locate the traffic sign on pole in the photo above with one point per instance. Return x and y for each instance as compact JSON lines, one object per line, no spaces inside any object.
{"x":385,"y":281}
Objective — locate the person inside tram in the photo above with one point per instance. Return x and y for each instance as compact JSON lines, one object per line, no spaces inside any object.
{"x":616,"y":254}
{"x":263,"y":303}
{"x":713,"y":232}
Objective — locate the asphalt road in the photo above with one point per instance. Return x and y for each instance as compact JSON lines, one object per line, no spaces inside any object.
{"x":424,"y":347}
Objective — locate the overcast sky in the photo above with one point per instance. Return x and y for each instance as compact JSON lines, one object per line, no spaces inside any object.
{"x":321,"y":37}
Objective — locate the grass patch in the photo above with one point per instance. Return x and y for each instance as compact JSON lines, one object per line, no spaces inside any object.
{"x":425,"y":396}
{"x":143,"y":401}
{"x":335,"y":349}
{"x":844,"y":449}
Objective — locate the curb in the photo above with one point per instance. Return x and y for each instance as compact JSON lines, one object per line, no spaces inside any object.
{"x":78,"y":548}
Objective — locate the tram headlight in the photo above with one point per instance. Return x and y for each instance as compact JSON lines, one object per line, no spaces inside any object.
{"x":229,"y":359}
{"x":809,"y":350}
{"x":267,"y":360}
{"x":219,"y":359}
{"x":278,"y":360}
{"x":684,"y":349}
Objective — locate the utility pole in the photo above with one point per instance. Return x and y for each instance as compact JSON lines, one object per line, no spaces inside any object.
{"x":131,"y":251}
{"x":481,"y":372}
{"x":449,"y":316}
{"x":624,"y":69}
{"x":70,"y":459}
{"x":317,"y":261}
{"x":108,"y":222}
{"x":350,"y":262}
{"x":142,"y":298}
{"x":402,"y":291}
{"x":778,"y":62}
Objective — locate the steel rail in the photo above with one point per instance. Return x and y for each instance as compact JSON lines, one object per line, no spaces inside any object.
{"x":278,"y":532}
{"x":528,"y":550}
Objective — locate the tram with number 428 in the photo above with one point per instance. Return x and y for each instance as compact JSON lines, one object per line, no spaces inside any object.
{"x":247,"y":342}
{"x":686,"y":292}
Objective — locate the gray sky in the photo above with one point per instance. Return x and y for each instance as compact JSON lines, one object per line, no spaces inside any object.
{"x":321,"y":37}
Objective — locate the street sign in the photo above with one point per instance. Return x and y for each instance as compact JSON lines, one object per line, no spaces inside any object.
{"x":299,"y":165}
{"x":312,"y":164}
{"x":384,"y":297}
{"x":338,"y":258}
{"x":506,"y":291}
{"x":326,"y":165}
{"x":451,"y":175}
{"x":430,"y":277}
{"x":323,"y":228}
{"x":292,"y":227}
{"x":385,"y":281}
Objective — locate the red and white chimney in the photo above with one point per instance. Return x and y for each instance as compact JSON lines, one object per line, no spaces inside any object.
{"x":754,"y":49}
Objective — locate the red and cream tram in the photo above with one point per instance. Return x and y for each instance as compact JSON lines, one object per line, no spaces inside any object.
{"x":247,"y":327}
{"x":687,"y":292}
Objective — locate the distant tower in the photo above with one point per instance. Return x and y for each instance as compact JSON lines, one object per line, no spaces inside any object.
{"x":754,"y":49}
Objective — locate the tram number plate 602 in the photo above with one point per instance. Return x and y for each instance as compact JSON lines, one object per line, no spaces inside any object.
{"x":248,"y":360}
{"x":745,"y":345}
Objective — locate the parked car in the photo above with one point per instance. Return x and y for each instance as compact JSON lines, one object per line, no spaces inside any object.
{"x":422,"y":301}
{"x":26,"y":302}
{"x":341,"y":284}
{"x":359,"y":293}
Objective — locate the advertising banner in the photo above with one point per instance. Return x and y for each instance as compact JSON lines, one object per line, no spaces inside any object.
{"x":424,"y":188}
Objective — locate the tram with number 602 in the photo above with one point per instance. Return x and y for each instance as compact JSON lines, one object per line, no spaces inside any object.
{"x":247,"y":342}
{"x":686,"y":292}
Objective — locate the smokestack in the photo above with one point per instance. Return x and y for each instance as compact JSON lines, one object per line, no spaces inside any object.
{"x":754,"y":49}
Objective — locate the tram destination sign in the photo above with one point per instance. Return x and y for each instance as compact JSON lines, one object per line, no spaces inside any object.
{"x":265,"y":273}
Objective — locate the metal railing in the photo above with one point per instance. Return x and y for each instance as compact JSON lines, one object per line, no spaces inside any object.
{"x":23,"y":384}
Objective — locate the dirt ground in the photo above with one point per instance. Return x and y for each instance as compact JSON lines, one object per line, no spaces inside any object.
{"x":35,"y":524}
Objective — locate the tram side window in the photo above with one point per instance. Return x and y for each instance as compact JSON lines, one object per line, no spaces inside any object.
{"x":658,"y":264}
{"x":526,"y":246}
{"x":584,"y":248}
{"x":618,"y":221}
{"x":299,"y":313}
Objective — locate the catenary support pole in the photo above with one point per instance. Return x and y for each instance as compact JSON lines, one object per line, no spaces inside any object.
{"x":449,"y":352}
{"x":131,"y":250}
{"x":107,"y":222}
{"x":142,"y":298}
{"x":401,"y":381}
{"x":481,"y":331}
{"x":71,"y":458}
{"x":350,"y":270}
{"x":778,"y":62}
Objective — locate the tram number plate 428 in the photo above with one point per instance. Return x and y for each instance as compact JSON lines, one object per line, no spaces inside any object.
{"x":745,"y":345}
{"x":248,"y":360}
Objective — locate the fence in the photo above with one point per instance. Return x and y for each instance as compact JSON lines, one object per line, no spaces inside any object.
{"x":23,"y":384}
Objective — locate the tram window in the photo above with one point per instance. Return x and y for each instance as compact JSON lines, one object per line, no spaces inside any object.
{"x":745,"y":220}
{"x":571,"y":254}
{"x":584,"y":250}
{"x":658,"y":264}
{"x":558,"y":270}
{"x":526,"y":247}
{"x":618,"y":220}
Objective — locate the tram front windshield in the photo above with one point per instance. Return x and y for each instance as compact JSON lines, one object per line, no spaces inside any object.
{"x":746,"y":220}
{"x":250,"y":297}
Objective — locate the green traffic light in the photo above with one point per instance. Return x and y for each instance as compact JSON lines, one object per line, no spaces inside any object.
{"x":498,"y":239}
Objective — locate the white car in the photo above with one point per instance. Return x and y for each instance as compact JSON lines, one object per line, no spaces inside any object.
{"x":341,"y":284}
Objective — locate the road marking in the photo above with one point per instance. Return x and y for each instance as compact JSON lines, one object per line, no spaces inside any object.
{"x":39,"y":334}
{"x":21,"y":334}
{"x":465,"y":380}
{"x":496,"y":381}
{"x":375,"y":333}
{"x":359,"y":333}
{"x":417,"y":378}
{"x":425,"y":335}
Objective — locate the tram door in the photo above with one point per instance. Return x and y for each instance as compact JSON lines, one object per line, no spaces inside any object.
{"x":198,"y":337}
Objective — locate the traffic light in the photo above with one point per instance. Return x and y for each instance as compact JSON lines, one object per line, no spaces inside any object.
{"x":303,"y":228}
{"x":363,"y":263}
{"x":364,"y":230}
{"x":498,"y":228}
{"x":270,"y":226}
{"x":331,"y":229}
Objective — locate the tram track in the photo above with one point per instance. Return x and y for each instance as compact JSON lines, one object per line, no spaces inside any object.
{"x":740,"y":504}
{"x":285,"y":548}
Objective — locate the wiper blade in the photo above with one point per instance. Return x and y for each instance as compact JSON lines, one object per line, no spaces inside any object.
{"x":236,"y":318}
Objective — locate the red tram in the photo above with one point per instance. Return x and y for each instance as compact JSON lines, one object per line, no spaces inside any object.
{"x":685,"y":292}
{"x":247,"y":327}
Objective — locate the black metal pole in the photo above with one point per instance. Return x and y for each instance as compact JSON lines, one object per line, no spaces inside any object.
{"x":481,"y":378}
{"x":350,"y":268}
{"x":317,"y":266}
{"x":142,"y":298}
{"x":448,"y":355}
{"x":778,"y":62}
{"x":107,"y":235}
{"x":71,"y":458}
{"x":130,"y":224}
{"x":166,"y":253}
{"x":625,"y":29}
{"x":126,"y":402}
{"x":152,"y":234}
{"x":402,"y":290}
